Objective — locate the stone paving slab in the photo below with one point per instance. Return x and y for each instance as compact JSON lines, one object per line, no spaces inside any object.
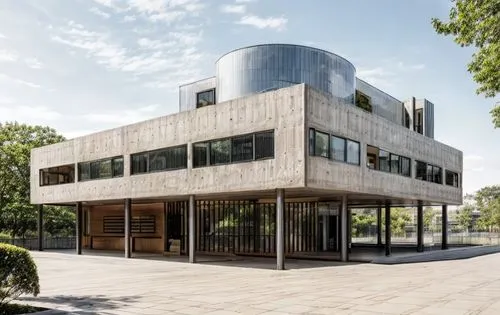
{"x":112,"y":285}
{"x":438,"y":255}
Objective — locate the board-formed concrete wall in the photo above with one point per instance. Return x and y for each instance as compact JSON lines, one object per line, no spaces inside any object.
{"x":351,"y":122}
{"x":281,"y":110}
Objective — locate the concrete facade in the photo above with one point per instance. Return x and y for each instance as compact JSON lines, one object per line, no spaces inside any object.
{"x":264,"y":171}
{"x":354,"y":123}
{"x":281,"y":111}
{"x":290,"y":112}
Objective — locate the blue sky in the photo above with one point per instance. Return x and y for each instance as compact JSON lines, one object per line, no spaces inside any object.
{"x":81,"y":66}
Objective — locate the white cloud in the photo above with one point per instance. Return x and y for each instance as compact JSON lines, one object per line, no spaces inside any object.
{"x":129,"y":18}
{"x":6,"y":100}
{"x":168,"y":17}
{"x":406,"y":67}
{"x":277,"y":23}
{"x":28,"y":114}
{"x":234,"y":8}
{"x":244,"y":1}
{"x":124,"y":117}
{"x":473,"y":163}
{"x":3,"y":36}
{"x":96,"y":11}
{"x":8,"y":56}
{"x":33,"y":63}
{"x":155,"y":43}
{"x":19,"y":81}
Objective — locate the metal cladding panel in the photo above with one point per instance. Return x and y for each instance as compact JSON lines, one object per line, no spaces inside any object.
{"x":429,"y":119}
{"x":383,"y":104}
{"x":263,"y":68}
{"x":187,"y":93}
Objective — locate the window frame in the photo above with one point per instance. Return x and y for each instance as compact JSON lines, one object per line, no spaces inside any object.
{"x":148,"y":160}
{"x":56,"y":170}
{"x":202,"y":92}
{"x":98,"y":162}
{"x":313,"y":132}
{"x":453,"y":173}
{"x":254,"y":135}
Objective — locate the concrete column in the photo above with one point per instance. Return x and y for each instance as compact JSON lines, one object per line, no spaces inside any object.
{"x":343,"y":230}
{"x":128,"y":225}
{"x":325,"y":233}
{"x":165,"y":232}
{"x":444,"y":227}
{"x":420,"y":228}
{"x":379,"y":226}
{"x":192,"y":230}
{"x":40,"y":227}
{"x":280,"y":229}
{"x":388,"y":229}
{"x":79,"y":227}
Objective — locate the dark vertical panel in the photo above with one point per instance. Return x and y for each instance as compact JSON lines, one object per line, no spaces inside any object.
{"x":40,"y":227}
{"x":79,"y":228}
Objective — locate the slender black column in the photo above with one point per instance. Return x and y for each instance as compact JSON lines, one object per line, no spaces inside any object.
{"x":192,"y":230}
{"x":79,"y":227}
{"x":165,"y":232}
{"x":420,"y":228}
{"x":444,"y":227}
{"x":128,"y":225}
{"x":344,"y":253}
{"x":388,"y":229}
{"x":280,"y":229}
{"x":379,"y":226}
{"x":40,"y":227}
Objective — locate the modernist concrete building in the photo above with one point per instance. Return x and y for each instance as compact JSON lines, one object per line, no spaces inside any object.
{"x":265,"y":158}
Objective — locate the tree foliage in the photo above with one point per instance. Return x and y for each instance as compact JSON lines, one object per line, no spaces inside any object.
{"x":477,"y":23}
{"x":17,"y":215}
{"x":18,"y":274}
{"x":488,"y":203}
{"x":464,"y":217}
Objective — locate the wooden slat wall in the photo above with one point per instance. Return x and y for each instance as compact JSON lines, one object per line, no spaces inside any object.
{"x":143,"y":242}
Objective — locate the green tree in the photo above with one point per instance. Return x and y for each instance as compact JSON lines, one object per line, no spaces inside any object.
{"x":362,"y":221}
{"x":464,"y":217}
{"x":17,"y":215}
{"x":477,"y":23}
{"x":400,"y":218}
{"x":429,"y":215}
{"x":488,"y":203}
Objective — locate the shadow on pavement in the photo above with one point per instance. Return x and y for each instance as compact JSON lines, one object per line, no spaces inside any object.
{"x":70,"y":304}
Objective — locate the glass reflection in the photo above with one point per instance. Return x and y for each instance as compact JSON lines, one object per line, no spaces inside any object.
{"x":264,"y":68}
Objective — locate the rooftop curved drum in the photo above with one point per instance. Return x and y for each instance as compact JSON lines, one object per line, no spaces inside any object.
{"x":262,"y":68}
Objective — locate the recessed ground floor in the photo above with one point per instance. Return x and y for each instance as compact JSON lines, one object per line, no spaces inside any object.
{"x":282,"y":226}
{"x":93,"y":284}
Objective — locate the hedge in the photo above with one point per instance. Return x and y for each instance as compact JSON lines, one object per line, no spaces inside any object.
{"x":18,"y":274}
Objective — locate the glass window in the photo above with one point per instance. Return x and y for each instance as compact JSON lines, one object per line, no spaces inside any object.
{"x":57,"y":175}
{"x":264,"y":145}
{"x":451,"y":178}
{"x":157,"y":160}
{"x":242,"y":148}
{"x":176,"y":157}
{"x":437,"y":174}
{"x":405,"y":166}
{"x":352,"y":152}
{"x":200,"y":154}
{"x":383,"y":161}
{"x":94,"y":170}
{"x":205,"y":98}
{"x":394,"y":163}
{"x":139,"y":163}
{"x":105,"y":169}
{"x":338,"y":152}
{"x":84,"y":171}
{"x":312,"y":136}
{"x":421,"y":170}
{"x":321,"y":143}
{"x":429,"y":173}
{"x":118,"y":167}
{"x":220,"y":152}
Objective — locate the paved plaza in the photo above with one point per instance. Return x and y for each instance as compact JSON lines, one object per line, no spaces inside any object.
{"x":96,"y":284}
